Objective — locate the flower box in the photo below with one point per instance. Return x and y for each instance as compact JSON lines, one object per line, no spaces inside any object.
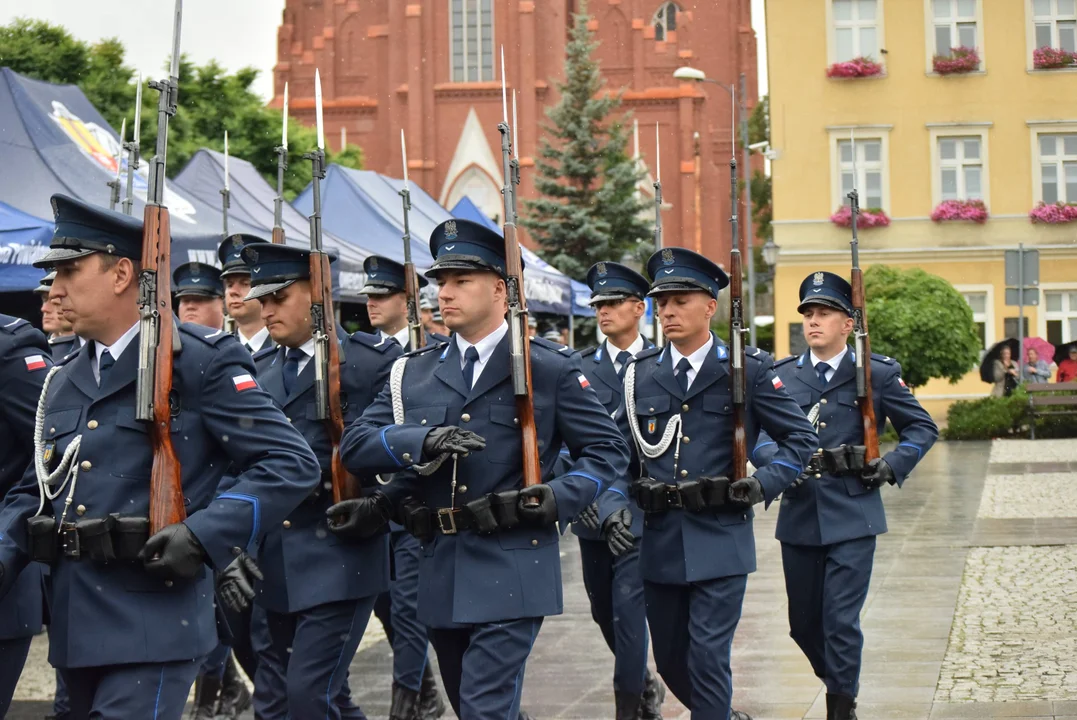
{"x":1046,"y":58}
{"x":972,"y":210}
{"x":960,"y":60}
{"x":1055,"y":214}
{"x":869,"y":218}
{"x":855,"y":68}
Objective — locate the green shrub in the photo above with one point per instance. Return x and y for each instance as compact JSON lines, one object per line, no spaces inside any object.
{"x":989,"y":418}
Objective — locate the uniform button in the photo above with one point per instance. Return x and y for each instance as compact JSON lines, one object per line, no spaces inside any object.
{"x":684,"y":473}
{"x":81,"y":509}
{"x":462,"y":488}
{"x":822,"y":424}
{"x":516,"y":421}
{"x":465,"y":417}
{"x":534,"y":543}
{"x":92,"y":424}
{"x":287,"y":524}
{"x":168,"y":583}
{"x":823,"y":401}
{"x":423,"y":421}
{"x":407,"y":457}
{"x":86,"y":465}
{"x":686,"y":439}
{"x":818,"y":475}
{"x":52,"y":429}
{"x":684,"y":407}
{"x":650,"y":410}
{"x":288,"y":419}
{"x":726,"y":407}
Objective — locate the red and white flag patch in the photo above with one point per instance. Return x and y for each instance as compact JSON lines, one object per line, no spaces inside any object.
{"x":244,"y":382}
{"x":584,"y":382}
{"x":902,"y":383}
{"x":34,"y":362}
{"x":777,"y":382}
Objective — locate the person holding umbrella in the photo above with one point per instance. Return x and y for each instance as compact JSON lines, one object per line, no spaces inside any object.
{"x":1036,"y":370}
{"x":1004,"y":373}
{"x":1067,"y":367}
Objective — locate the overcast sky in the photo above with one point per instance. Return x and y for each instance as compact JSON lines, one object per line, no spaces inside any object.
{"x":234,"y":32}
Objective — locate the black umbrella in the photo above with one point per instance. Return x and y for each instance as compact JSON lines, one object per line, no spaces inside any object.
{"x":1063,"y":351}
{"x":987,"y":365}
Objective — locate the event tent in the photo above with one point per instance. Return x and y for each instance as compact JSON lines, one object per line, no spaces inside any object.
{"x":23,"y":239}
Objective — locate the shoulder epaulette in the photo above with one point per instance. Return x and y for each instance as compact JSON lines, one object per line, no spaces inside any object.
{"x":378,"y":342}
{"x":437,"y":337}
{"x":264,"y":352}
{"x":786,"y":360}
{"x":426,"y":349}
{"x":587,"y":352}
{"x":756,"y":354}
{"x":886,"y":359}
{"x":206,"y":334}
{"x":646,"y":353}
{"x":562,"y":350}
{"x":12,"y":325}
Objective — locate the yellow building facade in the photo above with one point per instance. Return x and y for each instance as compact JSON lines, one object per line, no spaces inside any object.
{"x":1004,"y":133}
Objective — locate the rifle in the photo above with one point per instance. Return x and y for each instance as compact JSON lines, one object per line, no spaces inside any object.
{"x":326,"y":350}
{"x":416,"y":335}
{"x":114,"y":183}
{"x":154,"y":383}
{"x":657,"y":223}
{"x":514,"y":283}
{"x":860,"y":330}
{"x":132,"y":148}
{"x":736,"y":323}
{"x":226,"y":192}
{"x":282,"y":165}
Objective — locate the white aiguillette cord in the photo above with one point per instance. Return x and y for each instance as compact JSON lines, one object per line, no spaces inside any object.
{"x":67,"y":470}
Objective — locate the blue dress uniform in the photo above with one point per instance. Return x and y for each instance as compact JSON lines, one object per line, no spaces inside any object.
{"x":24,"y":362}
{"x":827,"y":524}
{"x":318,"y":591}
{"x":695,"y":564}
{"x":126,"y":639}
{"x":230,"y":256}
{"x":614,"y":586}
{"x":484,"y":596}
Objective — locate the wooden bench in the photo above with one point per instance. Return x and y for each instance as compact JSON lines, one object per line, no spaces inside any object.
{"x":1050,"y":399}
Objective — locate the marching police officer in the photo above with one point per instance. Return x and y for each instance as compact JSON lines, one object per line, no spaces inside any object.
{"x":414,"y":687}
{"x":199,"y":294}
{"x":133,"y":618}
{"x":62,"y":340}
{"x":24,"y":362}
{"x":610,"y":556}
{"x":698,"y":547}
{"x":489,"y":569}
{"x":827,"y":524}
{"x":317,"y":591}
{"x":236,"y":276}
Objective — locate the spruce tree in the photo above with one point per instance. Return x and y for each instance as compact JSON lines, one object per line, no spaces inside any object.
{"x":588,"y":209}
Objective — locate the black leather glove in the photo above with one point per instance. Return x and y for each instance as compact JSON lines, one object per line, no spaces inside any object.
{"x":589,"y":517}
{"x":173,"y":553}
{"x":541,"y":515}
{"x":875,"y":473}
{"x":235,"y":586}
{"x":617,"y":531}
{"x":360,"y":518}
{"x":745,"y":492}
{"x":451,"y":439}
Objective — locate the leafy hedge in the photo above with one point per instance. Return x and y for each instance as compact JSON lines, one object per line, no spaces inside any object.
{"x":991,"y":417}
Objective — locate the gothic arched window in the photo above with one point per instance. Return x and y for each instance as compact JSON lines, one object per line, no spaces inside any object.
{"x":665,"y":20}
{"x":472,"y":39}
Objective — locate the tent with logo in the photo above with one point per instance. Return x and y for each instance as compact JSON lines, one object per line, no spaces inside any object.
{"x":23,"y":239}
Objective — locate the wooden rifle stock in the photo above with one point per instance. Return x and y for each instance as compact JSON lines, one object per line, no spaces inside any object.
{"x":521,"y":358}
{"x":416,"y":332}
{"x":278,"y":236}
{"x":864,"y":393}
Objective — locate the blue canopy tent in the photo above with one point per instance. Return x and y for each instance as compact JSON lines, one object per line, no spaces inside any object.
{"x":23,"y":239}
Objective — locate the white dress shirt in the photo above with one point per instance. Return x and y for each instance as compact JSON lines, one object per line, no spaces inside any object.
{"x":634,"y":349}
{"x":695,"y":359}
{"x":115,"y":350}
{"x":833,"y":362}
{"x":485,"y":347}
{"x":254,"y":343}
{"x":308,"y":353}
{"x":402,"y":336}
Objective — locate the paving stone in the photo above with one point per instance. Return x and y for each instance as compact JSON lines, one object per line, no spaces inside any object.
{"x":1045,"y":495}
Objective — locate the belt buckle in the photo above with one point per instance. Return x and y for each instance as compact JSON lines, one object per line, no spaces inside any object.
{"x":815,"y":464}
{"x":674,"y":501}
{"x":69,"y":541}
{"x":443,"y":513}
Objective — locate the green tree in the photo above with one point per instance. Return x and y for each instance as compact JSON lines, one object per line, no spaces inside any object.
{"x":588,"y":209}
{"x":923,"y":322}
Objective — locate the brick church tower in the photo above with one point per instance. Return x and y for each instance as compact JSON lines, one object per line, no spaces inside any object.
{"x":431,"y":67}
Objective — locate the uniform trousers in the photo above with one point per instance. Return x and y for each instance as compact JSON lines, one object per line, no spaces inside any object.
{"x":155,"y":691}
{"x":692,"y":630}
{"x":615,"y":589}
{"x":13,"y":654}
{"x":482,"y":666}
{"x":398,"y":611}
{"x":827,"y":586}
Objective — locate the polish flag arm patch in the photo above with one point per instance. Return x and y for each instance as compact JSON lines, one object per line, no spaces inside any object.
{"x":777,"y":382}
{"x":584,"y":382}
{"x":34,"y":362}
{"x":244,"y":382}
{"x":902,"y":383}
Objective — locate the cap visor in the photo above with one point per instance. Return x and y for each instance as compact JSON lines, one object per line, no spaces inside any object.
{"x":825,"y":302}
{"x":606,"y":297}
{"x":678,"y":287}
{"x":379,"y":290}
{"x":267,"y":289}
{"x":196,"y":293}
{"x":456,"y":265}
{"x":59,"y":255}
{"x":236,"y":270}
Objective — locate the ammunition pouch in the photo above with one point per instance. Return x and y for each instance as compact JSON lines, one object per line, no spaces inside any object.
{"x":504,"y":505}
{"x":704,"y":493}
{"x":129,"y":534}
{"x":418,"y":520}
{"x":483,"y":514}
{"x":95,"y":539}
{"x":486,"y":515}
{"x":102,"y":540}
{"x":841,"y":460}
{"x":41,"y":531}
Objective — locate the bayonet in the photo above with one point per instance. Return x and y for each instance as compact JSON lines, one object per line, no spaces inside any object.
{"x":114,"y":183}
{"x":282,"y":166}
{"x":226,"y":191}
{"x":133,"y":151}
{"x":416,"y":335}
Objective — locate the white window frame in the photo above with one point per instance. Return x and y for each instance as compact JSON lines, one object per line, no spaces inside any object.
{"x":880,"y":33}
{"x":1063,"y":128}
{"x":664,"y":21}
{"x":1044,"y":315}
{"x":929,"y":34}
{"x":989,"y":310}
{"x":864,"y":132}
{"x":472,"y":23}
{"x":1030,"y":30}
{"x":936,"y":133}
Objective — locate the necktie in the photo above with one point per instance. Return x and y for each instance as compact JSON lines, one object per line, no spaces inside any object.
{"x":291,"y":368}
{"x":622,"y":359}
{"x":682,"y":374}
{"x":471,"y":356}
{"x":104,"y":365}
{"x":249,"y":348}
{"x":822,"y":369}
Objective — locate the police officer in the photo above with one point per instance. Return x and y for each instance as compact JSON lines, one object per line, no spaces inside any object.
{"x":199,"y":294}
{"x":611,"y":557}
{"x":827,"y":523}
{"x":236,"y":276}
{"x":489,"y":569}
{"x":698,"y":546}
{"x":57,"y":329}
{"x":133,"y":618}
{"x":414,"y":687}
{"x":24,"y":363}
{"x":317,"y":592}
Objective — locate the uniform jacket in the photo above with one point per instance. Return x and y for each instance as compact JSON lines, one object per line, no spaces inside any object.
{"x":61,"y":347}
{"x":682,"y":547}
{"x":829,"y":509}
{"x":304,"y":564}
{"x":24,"y":362}
{"x":118,"y":613}
{"x":472,"y":578}
{"x":263,"y":356}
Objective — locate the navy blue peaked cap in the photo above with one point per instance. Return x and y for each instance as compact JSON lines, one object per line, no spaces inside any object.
{"x":275,"y":267}
{"x":826,"y":288}
{"x":464,"y":245}
{"x":614,"y":281}
{"x":230,"y":253}
{"x":82,"y":229}
{"x":195,"y":278}
{"x":46,"y":283}
{"x":385,"y":276}
{"x":681,"y":270}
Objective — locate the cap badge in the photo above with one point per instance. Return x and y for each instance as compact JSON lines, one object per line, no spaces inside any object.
{"x":237,"y":242}
{"x":817,"y":279}
{"x":450,"y":230}
{"x":196,"y":269}
{"x":253,"y":254}
{"x":667,"y":256}
{"x":602,"y":269}
{"x":373,"y":263}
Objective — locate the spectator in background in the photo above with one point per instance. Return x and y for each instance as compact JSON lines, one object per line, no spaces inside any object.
{"x":1067,"y":369}
{"x":1036,"y":370}
{"x":1005,"y":374}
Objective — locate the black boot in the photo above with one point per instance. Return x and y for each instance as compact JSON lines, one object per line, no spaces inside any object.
{"x":628,"y":705}
{"x":235,"y":697}
{"x":431,"y":706}
{"x":840,"y":707}
{"x":739,"y":715}
{"x":206,"y":689}
{"x":654,"y":692}
{"x":405,"y":703}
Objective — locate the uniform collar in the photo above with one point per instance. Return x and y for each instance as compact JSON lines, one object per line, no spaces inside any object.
{"x":486,"y":346}
{"x":834,"y":362}
{"x":116,"y":349}
{"x":696,"y":358}
{"x":634,"y":349}
{"x":256,"y":341}
{"x":403,"y":336}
